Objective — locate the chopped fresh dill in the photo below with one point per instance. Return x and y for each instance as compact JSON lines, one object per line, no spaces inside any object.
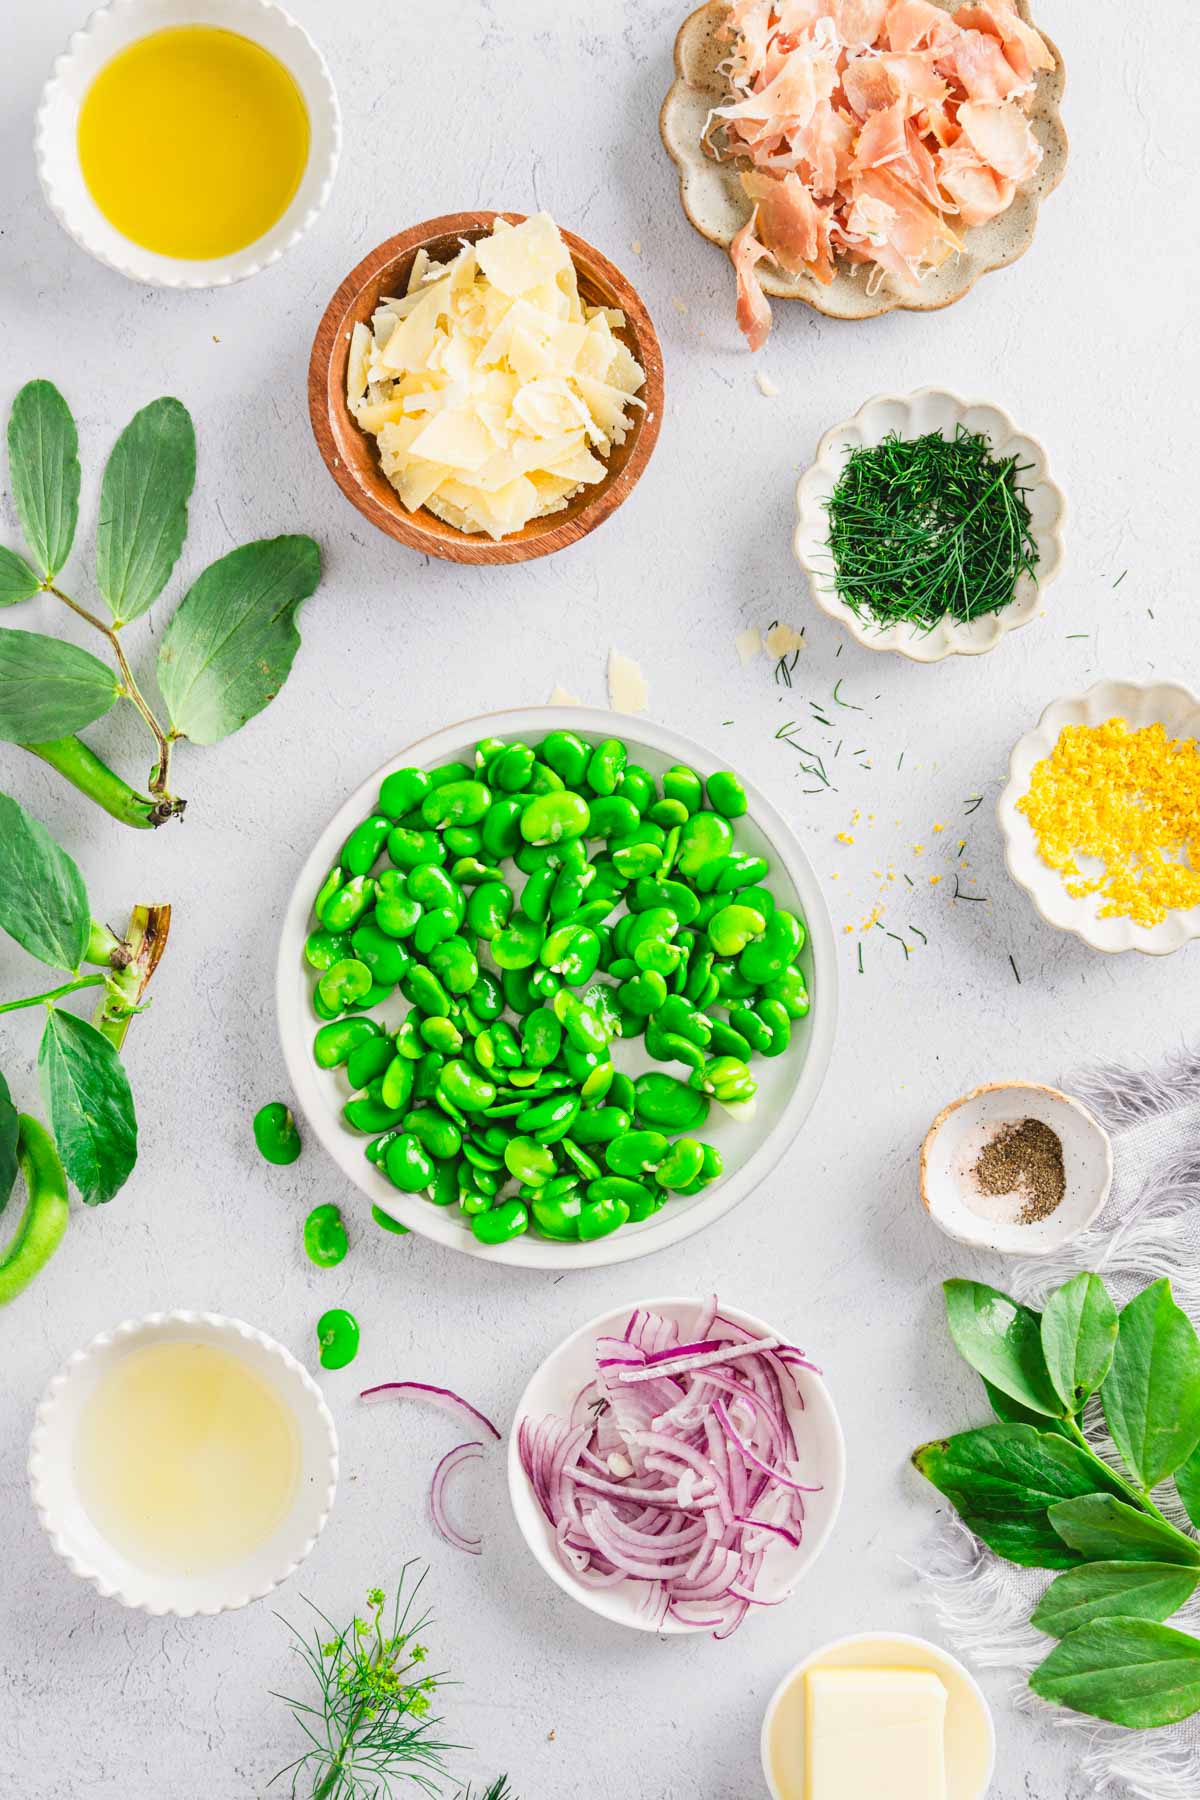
{"x":1015,"y":969}
{"x":917,"y":932}
{"x":1077,"y":634}
{"x":909,"y":880}
{"x":840,"y":742}
{"x":929,"y":527}
{"x":860,"y":967}
{"x":838,"y":701}
{"x":900,"y":762}
{"x":974,"y":801}
{"x":901,"y":943}
{"x":1120,"y":578}
{"x":959,"y":895}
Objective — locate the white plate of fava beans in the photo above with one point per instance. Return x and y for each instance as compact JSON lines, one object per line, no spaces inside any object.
{"x":749,"y":1146}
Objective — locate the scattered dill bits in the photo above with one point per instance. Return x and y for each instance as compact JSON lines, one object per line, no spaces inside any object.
{"x":860,"y":967}
{"x":929,"y":527}
{"x":838,"y":701}
{"x":1014,"y":968}
{"x":917,"y":932}
{"x":901,"y":943}
{"x":1120,"y":578}
{"x":959,"y":895}
{"x":974,"y":802}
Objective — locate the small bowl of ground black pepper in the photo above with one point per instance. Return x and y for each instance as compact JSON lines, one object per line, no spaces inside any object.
{"x":929,"y":525}
{"x":1015,"y":1166}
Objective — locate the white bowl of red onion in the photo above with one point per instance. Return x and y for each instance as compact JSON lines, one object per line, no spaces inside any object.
{"x":676,"y":1465}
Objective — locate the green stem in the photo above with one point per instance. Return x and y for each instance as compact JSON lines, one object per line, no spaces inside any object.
{"x":68,"y":987}
{"x":1143,"y":1502}
{"x":85,"y":771}
{"x":143,"y":945}
{"x":158,"y":782}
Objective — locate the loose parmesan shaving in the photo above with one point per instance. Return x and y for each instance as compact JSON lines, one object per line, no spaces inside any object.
{"x":749,"y":644}
{"x":1130,"y":800}
{"x":493,"y":393}
{"x":560,"y":697}
{"x":627,"y":691}
{"x":782,"y":640}
{"x":766,"y":386}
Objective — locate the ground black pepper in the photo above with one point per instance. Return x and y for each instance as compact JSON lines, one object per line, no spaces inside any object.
{"x":1025,"y":1159}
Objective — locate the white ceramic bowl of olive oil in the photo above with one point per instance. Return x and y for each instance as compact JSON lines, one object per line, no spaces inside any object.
{"x":183,"y":1463}
{"x":188,"y":143}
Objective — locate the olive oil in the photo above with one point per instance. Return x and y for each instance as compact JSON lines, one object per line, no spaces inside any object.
{"x":186,"y":1459}
{"x":192,"y":141}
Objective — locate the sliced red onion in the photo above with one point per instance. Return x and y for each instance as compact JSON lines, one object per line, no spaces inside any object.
{"x":440,"y":1396}
{"x":673,"y":1468}
{"x":452,"y":1460}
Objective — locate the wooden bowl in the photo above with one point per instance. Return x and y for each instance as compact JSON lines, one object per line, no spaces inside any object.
{"x":350,"y":454}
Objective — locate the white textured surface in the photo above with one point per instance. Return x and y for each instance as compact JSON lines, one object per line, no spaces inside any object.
{"x":1090,"y":343}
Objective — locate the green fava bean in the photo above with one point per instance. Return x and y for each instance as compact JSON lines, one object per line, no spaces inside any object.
{"x":486,"y":998}
{"x":529,"y":1162}
{"x":726,"y":795}
{"x":637,"y":858}
{"x":444,"y":1191}
{"x":767,"y":958}
{"x":726,"y":1078}
{"x":451,"y":771}
{"x":333,"y":1043}
{"x":501,"y":1223}
{"x":376,"y":1150}
{"x":397,"y":1083}
{"x":364,"y":844}
{"x":337,"y":1338}
{"x":381,"y":954}
{"x":636,"y":785}
{"x":600,"y":1125}
{"x":699,"y":985}
{"x":368,"y":1060}
{"x":441,"y":1034}
{"x":425,"y":991}
{"x":668,"y":813}
{"x":346,"y":907}
{"x":678,"y":1015}
{"x":471,"y":1202}
{"x":683,"y":784}
{"x":657,"y":956}
{"x":370,"y":1113}
{"x":465,"y":1089}
{"x":728,"y":1042}
{"x":743,"y":872}
{"x":428,"y":1075}
{"x":430,"y":884}
{"x":549,"y":1120}
{"x":673,"y":895}
{"x":637,"y":1153}
{"x":453,"y":962}
{"x":396,"y":912}
{"x":541,"y":1038}
{"x":408,"y":1163}
{"x":640,"y":1199}
{"x":613,"y":817}
{"x":433,"y":927}
{"x":731,"y":983}
{"x":386,"y":1222}
{"x":598,"y":1218}
{"x":605,"y":766}
{"x":344,"y":983}
{"x":518,"y":945}
{"x":656,"y":924}
{"x":790,"y":991}
{"x":566,"y":754}
{"x":681,"y":1165}
{"x":572,"y":951}
{"x":463,"y":840}
{"x":535,"y":895}
{"x":661,"y":1100}
{"x":746,"y":1021}
{"x":275,"y":1133}
{"x":489,"y":909}
{"x":512,"y":769}
{"x":323,"y":948}
{"x":501,"y":828}
{"x":550,"y":818}
{"x":582,"y":1026}
{"x":621,"y":1092}
{"x":775,"y":1017}
{"x":705,"y":839}
{"x":731,"y":929}
{"x":325,"y":1241}
{"x":644,"y":993}
{"x":545,"y":780}
{"x":456,"y":803}
{"x":402,"y":792}
{"x":408,"y":849}
{"x":328,"y":889}
{"x":438,"y":1134}
{"x":557,"y":1215}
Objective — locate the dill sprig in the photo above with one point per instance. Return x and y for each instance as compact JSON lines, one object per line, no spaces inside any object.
{"x":371,"y":1727}
{"x":921,"y":528}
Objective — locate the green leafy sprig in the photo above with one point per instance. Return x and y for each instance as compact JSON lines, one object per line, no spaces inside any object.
{"x":225,"y":653}
{"x":1035,"y":1490}
{"x":44,"y":907}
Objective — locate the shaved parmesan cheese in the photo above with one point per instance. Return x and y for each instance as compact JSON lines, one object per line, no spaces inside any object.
{"x":560,"y":697}
{"x":766,"y":386}
{"x":627,"y":691}
{"x":493,"y":392}
{"x":749,"y":644}
{"x":782,"y":640}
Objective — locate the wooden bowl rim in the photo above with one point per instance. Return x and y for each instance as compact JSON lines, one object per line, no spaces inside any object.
{"x":540,"y":537}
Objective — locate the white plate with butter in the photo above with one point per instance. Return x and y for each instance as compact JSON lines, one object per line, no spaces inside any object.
{"x":900,"y":1731}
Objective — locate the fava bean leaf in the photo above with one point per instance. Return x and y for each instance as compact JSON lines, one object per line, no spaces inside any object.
{"x":17,"y":580}
{"x":230,"y":645}
{"x":1105,"y":1590}
{"x":1152,"y":1393}
{"x":43,"y":459}
{"x":1103,"y":1528}
{"x":1002,"y":1340}
{"x":43,"y":900}
{"x":1187,"y":1483}
{"x":143,"y":507}
{"x":1128,"y":1671}
{"x":1011,"y":1412}
{"x":8,"y":1144}
{"x":87,"y":1096}
{"x":49,"y":689}
{"x":1002,"y":1479}
{"x":1079,"y":1333}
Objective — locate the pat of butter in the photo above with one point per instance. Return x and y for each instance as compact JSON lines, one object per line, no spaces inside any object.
{"x":874,"y":1732}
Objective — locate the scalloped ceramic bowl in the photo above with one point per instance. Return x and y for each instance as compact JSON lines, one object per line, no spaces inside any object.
{"x":788,"y":1084}
{"x":1139,"y":703}
{"x":913,"y":415}
{"x":90,"y":1556}
{"x":554,"y":1387}
{"x":111,"y":29}
{"x":716,"y":204}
